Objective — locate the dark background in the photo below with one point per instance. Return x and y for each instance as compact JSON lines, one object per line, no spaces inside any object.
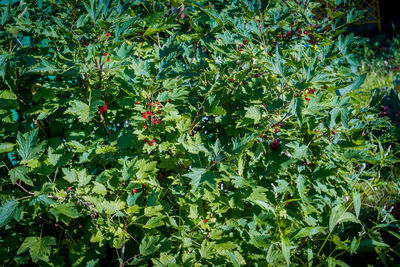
{"x":390,"y":21}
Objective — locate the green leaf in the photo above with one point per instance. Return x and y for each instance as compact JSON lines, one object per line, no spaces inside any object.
{"x":153,"y":210}
{"x":355,"y":243}
{"x":19,"y":173}
{"x":336,"y":212}
{"x":131,"y":199}
{"x":82,"y":110}
{"x":27,"y":147}
{"x":69,"y":175}
{"x":68,"y":210}
{"x":154,"y":222}
{"x":338,"y":215}
{"x":357,"y":203}
{"x":296,"y":106}
{"x":285,"y":245}
{"x":39,"y":248}
{"x":99,"y":188}
{"x":300,"y":185}
{"x":372,"y":243}
{"x":353,"y":86}
{"x":199,"y":177}
{"x":253,"y":113}
{"x":148,"y":245}
{"x":56,"y":159}
{"x":309,"y":232}
{"x":206,"y":249}
{"x":233,"y":258}
{"x":240,"y":144}
{"x":128,"y":169}
{"x":83,"y":177}
{"x":348,"y":217}
{"x":7,"y":211}
{"x":124,"y":51}
{"x":299,"y":151}
{"x":259,"y":197}
{"x":8,"y":100}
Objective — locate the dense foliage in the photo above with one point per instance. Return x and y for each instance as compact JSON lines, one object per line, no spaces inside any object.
{"x":190,"y":133}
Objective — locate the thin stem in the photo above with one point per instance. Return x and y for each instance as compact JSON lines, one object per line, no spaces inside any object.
{"x":23,"y":189}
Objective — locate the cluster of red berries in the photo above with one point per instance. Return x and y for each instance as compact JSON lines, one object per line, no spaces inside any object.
{"x":102,"y":109}
{"x":149,"y":115}
{"x":105,"y":54}
{"x":310,"y":91}
{"x":151,"y":142}
{"x":298,"y":32}
{"x":311,"y":164}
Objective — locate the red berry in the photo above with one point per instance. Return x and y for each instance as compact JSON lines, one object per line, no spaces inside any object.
{"x":145,"y":141}
{"x":105,"y":54}
{"x":144,"y":115}
{"x":87,"y":44}
{"x":287,"y":203}
{"x":105,"y":108}
{"x":152,"y":142}
{"x":108,"y":34}
{"x":275,"y":144}
{"x":304,"y":163}
{"x":332,"y":132}
{"x":68,"y":188}
{"x":108,"y":60}
{"x":305,"y":95}
{"x":159,"y":121}
{"x":150,"y":104}
{"x":205,"y":220}
{"x":265,"y":105}
{"x":230,"y":80}
{"x":169,"y":100}
{"x":240,"y":49}
{"x":230,"y":71}
{"x":137,"y":102}
{"x":260,"y":135}
{"x":134,"y":191}
{"x":307,"y":99}
{"x":276,"y":130}
{"x":315,"y":130}
{"x":244,"y":82}
{"x":144,"y":126}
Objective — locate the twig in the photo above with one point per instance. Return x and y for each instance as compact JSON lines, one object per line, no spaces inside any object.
{"x":201,"y":107}
{"x":194,"y":52}
{"x":105,"y":125}
{"x":74,"y":16}
{"x":26,"y":191}
{"x":123,"y":250}
{"x":158,"y":36}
